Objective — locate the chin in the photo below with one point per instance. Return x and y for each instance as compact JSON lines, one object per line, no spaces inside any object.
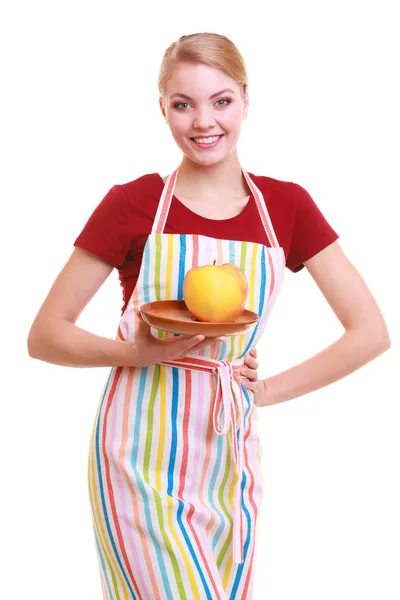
{"x":207,"y":163}
{"x":205,"y":157}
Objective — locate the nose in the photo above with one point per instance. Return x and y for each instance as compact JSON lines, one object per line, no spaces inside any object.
{"x":203,"y":119}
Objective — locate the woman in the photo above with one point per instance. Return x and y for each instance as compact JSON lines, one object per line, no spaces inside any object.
{"x":174,"y":465}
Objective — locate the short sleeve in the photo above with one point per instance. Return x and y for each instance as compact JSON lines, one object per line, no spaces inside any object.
{"x":311,"y":231}
{"x":108,"y":233}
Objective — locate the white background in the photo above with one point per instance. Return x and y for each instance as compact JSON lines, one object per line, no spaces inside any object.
{"x":80,"y":114}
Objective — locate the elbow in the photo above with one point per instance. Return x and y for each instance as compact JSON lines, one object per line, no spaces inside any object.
{"x":382,"y":338}
{"x":371,"y":341}
{"x":42,"y":338}
{"x":31,"y":345}
{"x":384,"y":343}
{"x":378,"y":340}
{"x":34,"y":342}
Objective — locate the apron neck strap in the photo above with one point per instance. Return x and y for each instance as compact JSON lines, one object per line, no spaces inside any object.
{"x":164,"y":204}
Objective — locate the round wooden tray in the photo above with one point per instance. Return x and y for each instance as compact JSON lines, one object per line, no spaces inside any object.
{"x":173,"y":316}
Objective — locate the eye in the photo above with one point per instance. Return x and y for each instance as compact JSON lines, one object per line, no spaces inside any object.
{"x":227,"y":100}
{"x":180,"y":104}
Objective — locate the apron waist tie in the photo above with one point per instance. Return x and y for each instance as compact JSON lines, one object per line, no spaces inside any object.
{"x":229,"y":391}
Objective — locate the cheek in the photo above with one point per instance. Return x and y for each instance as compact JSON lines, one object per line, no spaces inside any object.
{"x":180,"y":123}
{"x":177,"y":123}
{"x":236,"y":118}
{"x":231,"y":121}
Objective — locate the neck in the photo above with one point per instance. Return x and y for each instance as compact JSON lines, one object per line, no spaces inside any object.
{"x":226,"y":174}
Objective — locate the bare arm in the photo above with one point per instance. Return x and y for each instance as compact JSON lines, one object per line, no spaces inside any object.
{"x":55,"y":338}
{"x":365,"y":337}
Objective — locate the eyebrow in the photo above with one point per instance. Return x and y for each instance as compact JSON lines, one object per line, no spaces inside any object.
{"x":213,"y":96}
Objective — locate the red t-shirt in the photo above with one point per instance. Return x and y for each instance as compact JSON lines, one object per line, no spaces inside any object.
{"x":117,"y":229}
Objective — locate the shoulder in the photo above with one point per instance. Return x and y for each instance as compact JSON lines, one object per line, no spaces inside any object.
{"x":140,"y":197}
{"x":280,"y":196}
{"x":275,"y":188}
{"x":272,"y":182}
{"x":142,"y":194}
{"x":126,"y":201}
{"x":148,"y":184}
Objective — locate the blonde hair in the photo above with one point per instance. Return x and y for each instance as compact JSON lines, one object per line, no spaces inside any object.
{"x":210,"y":49}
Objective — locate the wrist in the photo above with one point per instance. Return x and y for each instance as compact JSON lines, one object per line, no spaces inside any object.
{"x":129,"y":354}
{"x":265,"y":393}
{"x":120,"y":353}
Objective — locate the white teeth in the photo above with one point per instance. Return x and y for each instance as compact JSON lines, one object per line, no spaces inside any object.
{"x":209,"y":140}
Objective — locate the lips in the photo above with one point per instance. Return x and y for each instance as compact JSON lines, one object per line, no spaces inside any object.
{"x":208,"y":145}
{"x":205,"y":137}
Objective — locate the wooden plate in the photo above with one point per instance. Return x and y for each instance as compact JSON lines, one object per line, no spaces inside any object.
{"x":173,"y":316}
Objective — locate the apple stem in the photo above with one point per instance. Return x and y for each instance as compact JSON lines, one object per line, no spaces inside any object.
{"x":214,"y":263}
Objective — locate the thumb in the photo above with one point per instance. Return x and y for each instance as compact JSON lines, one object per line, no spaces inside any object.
{"x":143,"y":326}
{"x":183,"y":345}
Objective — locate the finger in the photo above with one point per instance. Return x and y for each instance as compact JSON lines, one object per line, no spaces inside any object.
{"x":172,"y":339}
{"x":212,"y":340}
{"x":206,"y":342}
{"x":140,"y":317}
{"x":251,"y":362}
{"x":142,"y":323}
{"x":253,"y":351}
{"x":183,"y":346}
{"x":249,"y":385}
{"x":249,"y":373}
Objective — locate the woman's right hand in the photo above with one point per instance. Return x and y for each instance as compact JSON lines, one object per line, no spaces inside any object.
{"x":149,"y":350}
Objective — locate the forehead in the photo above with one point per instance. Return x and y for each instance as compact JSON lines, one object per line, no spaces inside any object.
{"x":198,"y":80}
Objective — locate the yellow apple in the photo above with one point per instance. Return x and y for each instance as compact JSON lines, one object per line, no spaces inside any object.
{"x":215,"y":293}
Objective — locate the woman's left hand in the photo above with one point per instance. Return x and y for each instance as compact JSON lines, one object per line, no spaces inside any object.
{"x":249,"y":372}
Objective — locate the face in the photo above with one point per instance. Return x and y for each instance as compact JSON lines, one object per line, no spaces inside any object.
{"x":202,"y":102}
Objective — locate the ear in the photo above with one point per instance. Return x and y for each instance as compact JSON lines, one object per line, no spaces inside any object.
{"x":246,"y":105}
{"x":162,"y":107}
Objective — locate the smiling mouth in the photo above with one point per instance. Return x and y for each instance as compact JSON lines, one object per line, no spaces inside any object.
{"x":212,"y":138}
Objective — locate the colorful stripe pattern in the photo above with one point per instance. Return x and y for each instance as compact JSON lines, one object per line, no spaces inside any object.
{"x":165,"y":477}
{"x":229,"y":396}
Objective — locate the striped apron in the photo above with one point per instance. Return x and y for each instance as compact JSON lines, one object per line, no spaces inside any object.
{"x":175,"y":494}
